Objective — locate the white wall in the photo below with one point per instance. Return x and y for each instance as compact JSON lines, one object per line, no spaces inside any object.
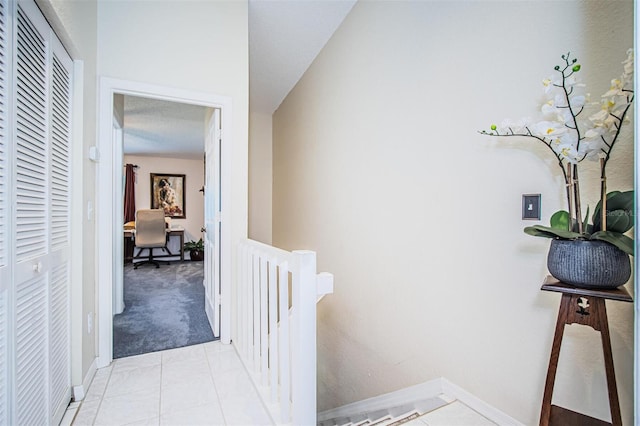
{"x":260,"y":176}
{"x":194,"y":180}
{"x":200,"y":46}
{"x":189,"y":46}
{"x":378,"y":167}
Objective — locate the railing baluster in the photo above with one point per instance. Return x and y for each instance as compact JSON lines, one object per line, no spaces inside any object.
{"x":248,"y":320}
{"x":285,"y":382}
{"x":256,"y":311}
{"x":304,"y":350}
{"x":278,"y":344}
{"x":240,"y":270}
{"x":264,"y":324}
{"x":273,"y":329}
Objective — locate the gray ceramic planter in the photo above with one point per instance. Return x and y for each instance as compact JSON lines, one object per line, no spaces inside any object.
{"x":588,"y":264}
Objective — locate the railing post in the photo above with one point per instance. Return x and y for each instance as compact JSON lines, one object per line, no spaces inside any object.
{"x":304,"y":338}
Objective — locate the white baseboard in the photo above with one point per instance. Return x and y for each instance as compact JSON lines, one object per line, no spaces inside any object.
{"x":439,"y":389}
{"x":79,"y":392}
{"x":477,"y":404}
{"x":422,"y":391}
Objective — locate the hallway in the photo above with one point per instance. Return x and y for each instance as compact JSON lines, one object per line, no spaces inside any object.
{"x":204,"y":384}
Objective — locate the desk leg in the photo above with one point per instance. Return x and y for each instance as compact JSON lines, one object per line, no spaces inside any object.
{"x":545,"y":413}
{"x":182,"y":246}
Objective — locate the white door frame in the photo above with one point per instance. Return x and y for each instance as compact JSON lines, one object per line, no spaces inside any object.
{"x":109,"y":201}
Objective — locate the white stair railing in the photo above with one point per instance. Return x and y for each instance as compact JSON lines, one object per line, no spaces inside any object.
{"x":276,"y":335}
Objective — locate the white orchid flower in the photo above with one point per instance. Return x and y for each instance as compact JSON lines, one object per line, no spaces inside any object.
{"x":578,"y":101}
{"x":573,"y":81}
{"x":592,"y":147}
{"x":628,"y":66}
{"x":599,"y":117}
{"x":549,"y":85}
{"x":517,"y":127}
{"x":615,"y":89}
{"x":549,"y":108}
{"x":548,"y":129}
{"x":566,"y":151}
{"x":568,"y":138}
{"x":594,"y":133}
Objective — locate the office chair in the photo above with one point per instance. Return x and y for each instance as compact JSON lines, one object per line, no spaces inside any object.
{"x":150,"y":233}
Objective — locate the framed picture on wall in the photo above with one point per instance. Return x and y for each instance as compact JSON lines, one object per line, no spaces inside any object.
{"x":167,"y":192}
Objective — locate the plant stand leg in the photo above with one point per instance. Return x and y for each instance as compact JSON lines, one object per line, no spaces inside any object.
{"x":545,"y":414}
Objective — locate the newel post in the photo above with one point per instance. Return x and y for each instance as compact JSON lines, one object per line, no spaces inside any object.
{"x":304,"y":334}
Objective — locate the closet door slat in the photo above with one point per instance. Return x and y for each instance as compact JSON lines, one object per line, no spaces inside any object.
{"x":31,"y":141}
{"x":4,"y":216}
{"x":31,"y":362}
{"x":3,"y":137}
{"x":59,"y":339}
{"x":60,"y":156}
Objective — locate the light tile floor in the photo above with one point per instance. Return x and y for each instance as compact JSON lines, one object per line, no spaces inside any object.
{"x":196,"y":385}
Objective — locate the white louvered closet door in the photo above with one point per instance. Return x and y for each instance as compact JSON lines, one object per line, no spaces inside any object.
{"x":4,"y":219}
{"x":39,"y":312}
{"x":60,"y":231}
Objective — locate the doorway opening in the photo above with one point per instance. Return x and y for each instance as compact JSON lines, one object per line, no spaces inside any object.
{"x":159,"y":294}
{"x":110,"y":206}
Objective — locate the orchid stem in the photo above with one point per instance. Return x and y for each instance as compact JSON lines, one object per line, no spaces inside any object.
{"x":603,"y":194}
{"x":576,"y":192}
{"x":570,"y":198}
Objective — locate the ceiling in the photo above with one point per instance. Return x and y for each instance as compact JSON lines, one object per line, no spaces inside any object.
{"x":285,"y":36}
{"x":162,"y":128}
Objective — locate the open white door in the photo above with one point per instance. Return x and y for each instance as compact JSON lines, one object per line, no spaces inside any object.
{"x":118,"y":213}
{"x":212,"y":220}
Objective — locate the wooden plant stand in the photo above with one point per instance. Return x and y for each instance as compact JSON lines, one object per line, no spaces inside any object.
{"x":586,"y":307}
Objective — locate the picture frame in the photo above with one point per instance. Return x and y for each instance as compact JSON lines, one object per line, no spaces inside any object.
{"x":168,"y":193}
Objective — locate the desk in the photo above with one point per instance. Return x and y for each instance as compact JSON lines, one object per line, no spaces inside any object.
{"x":586,"y":307}
{"x":170,"y":232}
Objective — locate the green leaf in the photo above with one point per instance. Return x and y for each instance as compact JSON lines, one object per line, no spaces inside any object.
{"x":621,"y":241}
{"x":586,"y":220}
{"x":597,"y":215}
{"x":589,"y":229}
{"x":530,"y":230}
{"x":619,"y":212}
{"x":560,"y":220}
{"x":619,"y":222}
{"x":620,"y":200}
{"x":548,"y":232}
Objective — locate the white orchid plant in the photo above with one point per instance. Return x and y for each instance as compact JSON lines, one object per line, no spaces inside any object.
{"x":572,"y":140}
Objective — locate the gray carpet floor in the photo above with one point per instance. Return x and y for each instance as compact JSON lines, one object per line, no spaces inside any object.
{"x":164,"y":309}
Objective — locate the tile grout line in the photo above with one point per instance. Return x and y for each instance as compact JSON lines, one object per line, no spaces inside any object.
{"x":160,"y":397}
{"x":215,"y":387}
{"x":104,"y":391}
